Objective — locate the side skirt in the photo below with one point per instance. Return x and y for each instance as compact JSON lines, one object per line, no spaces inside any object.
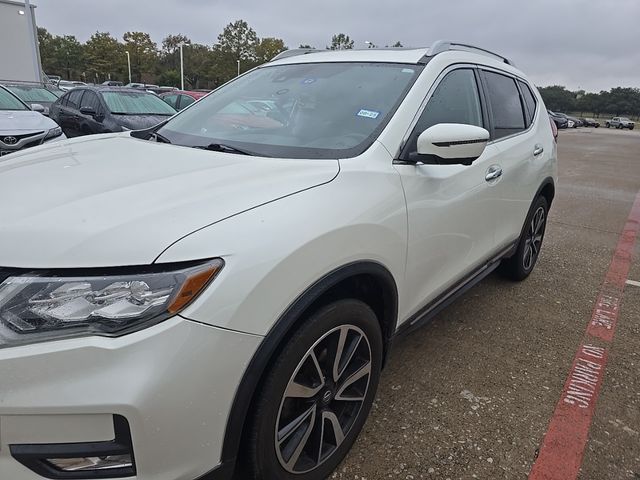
{"x":426,"y":313}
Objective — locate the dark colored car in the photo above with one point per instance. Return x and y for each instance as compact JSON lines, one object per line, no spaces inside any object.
{"x":102,"y":109}
{"x":112,"y":83}
{"x":590,"y":122}
{"x":559,"y":119}
{"x":34,"y":94}
{"x":181,"y":98}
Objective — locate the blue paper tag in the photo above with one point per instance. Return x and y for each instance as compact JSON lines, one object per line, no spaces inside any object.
{"x":368,"y":113}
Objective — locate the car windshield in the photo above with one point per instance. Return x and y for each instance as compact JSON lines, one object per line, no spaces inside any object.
{"x":136,"y":103}
{"x":9,"y":102}
{"x":33,"y":93}
{"x":312,"y":110}
{"x":624,"y":119}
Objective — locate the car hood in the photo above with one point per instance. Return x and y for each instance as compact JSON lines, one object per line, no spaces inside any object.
{"x":17,"y":122}
{"x":111,"y":200}
{"x":139,"y":122}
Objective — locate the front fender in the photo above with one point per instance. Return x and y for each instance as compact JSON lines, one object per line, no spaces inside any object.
{"x":273,"y":253}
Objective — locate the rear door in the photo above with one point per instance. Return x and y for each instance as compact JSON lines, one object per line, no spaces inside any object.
{"x":90,"y":123}
{"x":70,"y":113}
{"x":513,"y":109}
{"x":449,"y":207}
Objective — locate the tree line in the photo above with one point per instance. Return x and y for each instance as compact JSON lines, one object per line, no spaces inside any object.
{"x":104,"y":57}
{"x":615,"y":102}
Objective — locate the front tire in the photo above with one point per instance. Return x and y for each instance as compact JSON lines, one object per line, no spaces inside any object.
{"x":521,"y":264}
{"x":317,"y":396}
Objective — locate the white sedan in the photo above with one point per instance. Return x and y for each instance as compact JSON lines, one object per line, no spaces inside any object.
{"x":21,"y":127}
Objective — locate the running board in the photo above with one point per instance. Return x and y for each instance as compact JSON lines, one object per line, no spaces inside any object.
{"x":446,"y":298}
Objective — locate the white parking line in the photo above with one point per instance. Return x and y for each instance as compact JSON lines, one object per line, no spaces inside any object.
{"x":633,"y":283}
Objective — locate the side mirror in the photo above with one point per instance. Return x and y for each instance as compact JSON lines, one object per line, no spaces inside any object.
{"x":451,"y":144}
{"x":36,"y":107}
{"x":88,"y":111}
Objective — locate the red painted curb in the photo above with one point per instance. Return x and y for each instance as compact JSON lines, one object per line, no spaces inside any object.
{"x":563,"y":445}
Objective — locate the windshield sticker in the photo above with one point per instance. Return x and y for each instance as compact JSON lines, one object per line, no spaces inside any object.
{"x":408,"y":70}
{"x":308,"y":81}
{"x":368,"y":113}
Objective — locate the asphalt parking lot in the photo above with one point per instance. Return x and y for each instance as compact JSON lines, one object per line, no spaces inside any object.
{"x":472,"y":394}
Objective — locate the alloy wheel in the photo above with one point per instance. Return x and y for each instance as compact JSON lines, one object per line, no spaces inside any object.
{"x":323,"y":399}
{"x":533,"y":241}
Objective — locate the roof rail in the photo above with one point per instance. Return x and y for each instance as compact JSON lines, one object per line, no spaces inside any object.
{"x":440,"y":46}
{"x":294,"y":52}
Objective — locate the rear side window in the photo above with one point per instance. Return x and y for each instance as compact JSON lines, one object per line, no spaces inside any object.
{"x":171,"y":100}
{"x":73,"y":100}
{"x":506,"y":107}
{"x":529,"y":100}
{"x":91,"y":100}
{"x":185,"y":101}
{"x":455,"y":100}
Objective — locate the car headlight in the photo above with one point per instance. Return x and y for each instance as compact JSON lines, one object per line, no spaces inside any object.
{"x":36,"y":307}
{"x":53,"y":133}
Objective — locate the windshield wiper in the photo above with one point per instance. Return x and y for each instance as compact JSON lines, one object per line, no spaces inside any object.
{"x":221,"y":147}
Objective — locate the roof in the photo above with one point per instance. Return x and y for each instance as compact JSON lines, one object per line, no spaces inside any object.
{"x":443,"y":50}
{"x":109,"y":88}
{"x":390,"y":55}
{"x":191,"y":93}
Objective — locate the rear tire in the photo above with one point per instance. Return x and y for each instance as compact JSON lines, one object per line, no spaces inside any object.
{"x":521,"y":264}
{"x":317,"y":395}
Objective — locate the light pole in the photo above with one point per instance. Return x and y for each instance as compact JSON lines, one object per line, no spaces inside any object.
{"x":238,"y":67}
{"x":181,"y":67}
{"x":128,"y":64}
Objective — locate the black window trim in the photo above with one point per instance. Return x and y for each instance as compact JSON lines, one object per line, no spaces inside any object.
{"x":533,"y":114}
{"x":401,"y":153}
{"x":515,"y":78}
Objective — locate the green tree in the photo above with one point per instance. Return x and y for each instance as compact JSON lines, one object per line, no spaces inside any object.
{"x":305,"y":45}
{"x":557,"y":97}
{"x":198,"y":63}
{"x":397,"y":44}
{"x":47,"y":50}
{"x":68,"y":56}
{"x":268,"y":48}
{"x":340,"y":41}
{"x":105,"y":58}
{"x":239,"y":41}
{"x":143,"y":52}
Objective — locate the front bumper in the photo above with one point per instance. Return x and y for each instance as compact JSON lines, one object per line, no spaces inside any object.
{"x":174,"y":383}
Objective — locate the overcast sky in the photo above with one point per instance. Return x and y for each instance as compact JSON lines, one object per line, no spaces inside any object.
{"x":587,"y":44}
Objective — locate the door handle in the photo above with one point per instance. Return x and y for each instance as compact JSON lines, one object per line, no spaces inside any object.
{"x":537,"y":150}
{"x":493,"y":172}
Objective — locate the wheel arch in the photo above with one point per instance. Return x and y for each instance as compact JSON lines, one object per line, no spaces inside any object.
{"x":547,"y":189}
{"x":369,"y":281}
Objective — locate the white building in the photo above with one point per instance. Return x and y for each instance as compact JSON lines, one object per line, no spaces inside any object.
{"x":19,"y":42}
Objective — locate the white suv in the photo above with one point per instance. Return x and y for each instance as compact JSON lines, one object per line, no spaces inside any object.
{"x":220,"y":293}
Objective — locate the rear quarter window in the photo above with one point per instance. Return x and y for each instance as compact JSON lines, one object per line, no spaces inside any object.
{"x":529,"y":100}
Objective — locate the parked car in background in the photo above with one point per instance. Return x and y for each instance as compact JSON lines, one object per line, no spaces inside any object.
{"x":67,"y":85}
{"x":21,"y":127}
{"x":102,"y":109}
{"x":220,"y":292}
{"x":112,"y":83}
{"x":620,"y":122}
{"x":35,"y":95}
{"x":560,"y":120}
{"x":590,"y":122}
{"x":181,"y":98}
